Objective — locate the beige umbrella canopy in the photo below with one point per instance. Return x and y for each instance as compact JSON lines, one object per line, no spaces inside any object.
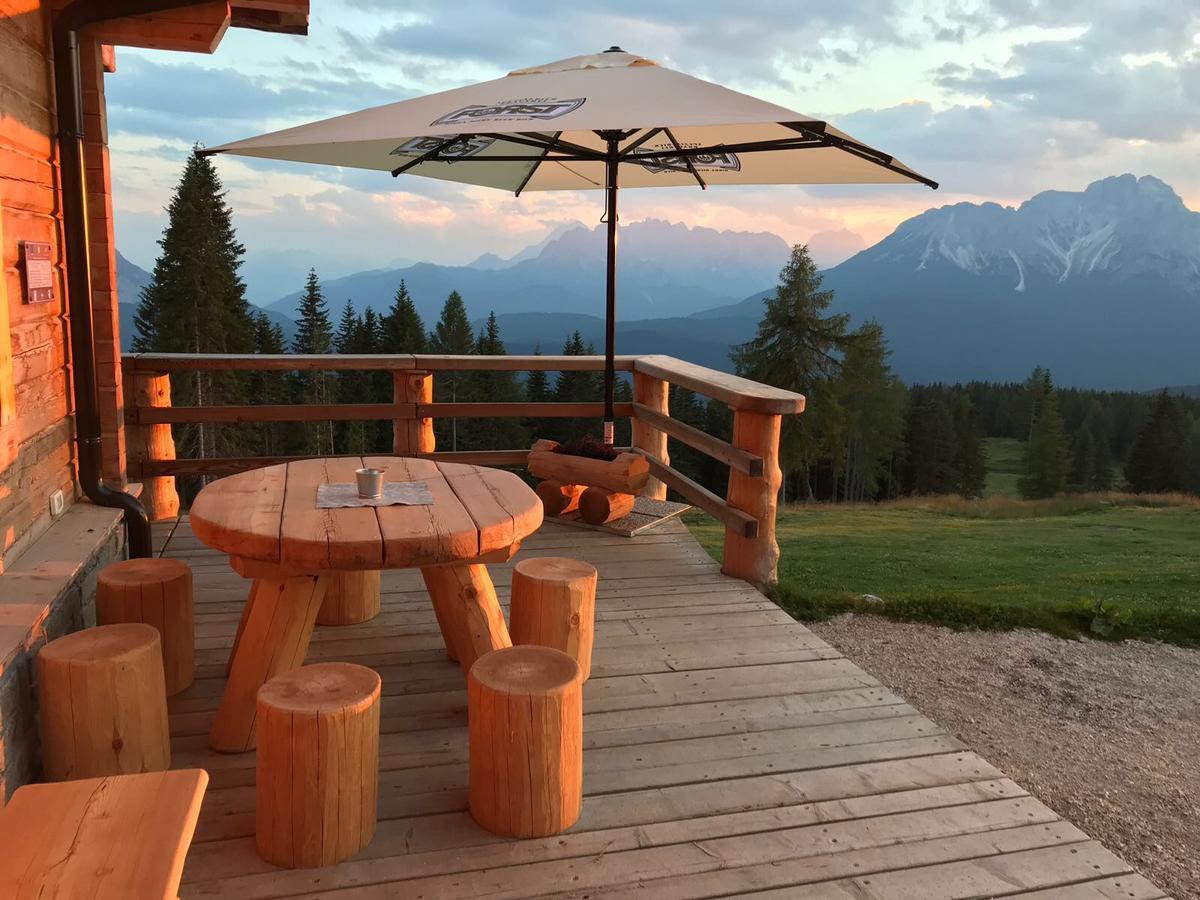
{"x":602,"y":121}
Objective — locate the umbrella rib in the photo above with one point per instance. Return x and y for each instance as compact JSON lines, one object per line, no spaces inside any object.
{"x":862,"y":151}
{"x":425,"y":157}
{"x":534,"y":167}
{"x":649,"y":135}
{"x":686,"y":159}
{"x":559,"y":143}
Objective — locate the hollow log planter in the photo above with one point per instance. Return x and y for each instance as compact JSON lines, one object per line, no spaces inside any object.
{"x":598,"y":506}
{"x":558,"y":498}
{"x":627,"y":474}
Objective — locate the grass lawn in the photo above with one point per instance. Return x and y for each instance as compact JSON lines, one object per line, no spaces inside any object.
{"x":1108,"y":565}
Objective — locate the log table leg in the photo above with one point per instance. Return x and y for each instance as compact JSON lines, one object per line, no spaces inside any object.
{"x":468,"y":612}
{"x":351,"y":598}
{"x":277,"y":627}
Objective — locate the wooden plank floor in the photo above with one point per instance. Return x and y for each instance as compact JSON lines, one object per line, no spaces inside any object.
{"x":728,"y":751}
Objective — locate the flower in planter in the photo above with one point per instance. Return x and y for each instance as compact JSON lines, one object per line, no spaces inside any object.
{"x":590,"y":447}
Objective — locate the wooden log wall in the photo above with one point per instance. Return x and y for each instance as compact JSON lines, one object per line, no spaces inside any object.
{"x":35,"y":432}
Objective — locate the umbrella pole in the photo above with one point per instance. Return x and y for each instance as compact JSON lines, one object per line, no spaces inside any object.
{"x":611,"y":307}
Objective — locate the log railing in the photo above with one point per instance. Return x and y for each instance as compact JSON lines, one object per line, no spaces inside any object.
{"x":747,"y":510}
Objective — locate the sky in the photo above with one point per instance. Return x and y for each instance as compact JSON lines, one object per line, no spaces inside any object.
{"x":996,"y":99}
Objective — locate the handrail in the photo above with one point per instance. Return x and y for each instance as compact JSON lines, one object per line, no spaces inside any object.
{"x":338,"y":362}
{"x":746,"y":525}
{"x":738,"y":392}
{"x":748,"y":510}
{"x":701,"y":440}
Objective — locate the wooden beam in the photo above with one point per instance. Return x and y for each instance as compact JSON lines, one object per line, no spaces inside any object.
{"x":734,"y":519}
{"x":715,"y":447}
{"x":480,"y":457}
{"x":227,"y":465}
{"x":280,"y":16}
{"x":196,"y":29}
{"x":520,"y":410}
{"x":264,"y":362}
{"x":108,"y":58}
{"x":740,"y":393}
{"x":521,"y":363}
{"x":283,"y":412}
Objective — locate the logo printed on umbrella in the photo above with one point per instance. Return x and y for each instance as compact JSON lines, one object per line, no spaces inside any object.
{"x":509,"y":110}
{"x":460,"y":149}
{"x":705,"y":162}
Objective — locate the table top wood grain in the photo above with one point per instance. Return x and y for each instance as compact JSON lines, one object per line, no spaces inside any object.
{"x":269,"y":515}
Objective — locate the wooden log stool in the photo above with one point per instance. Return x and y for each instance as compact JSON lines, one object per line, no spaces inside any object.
{"x":317,"y":778}
{"x":351,"y":598}
{"x":154,"y":592}
{"x":554,"y":605}
{"x":525,"y":729}
{"x":103,"y":703}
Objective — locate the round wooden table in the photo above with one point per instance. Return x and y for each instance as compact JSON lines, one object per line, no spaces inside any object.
{"x":268,"y":522}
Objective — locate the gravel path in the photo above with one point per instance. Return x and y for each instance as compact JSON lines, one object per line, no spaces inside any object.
{"x":1108,"y":735}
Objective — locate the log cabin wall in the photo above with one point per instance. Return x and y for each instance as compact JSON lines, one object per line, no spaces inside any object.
{"x":36,"y":450}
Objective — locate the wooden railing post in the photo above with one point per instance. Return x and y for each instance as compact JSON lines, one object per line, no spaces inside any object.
{"x":653,"y":393}
{"x":412,"y":436}
{"x":755,"y":559}
{"x":144,"y":442}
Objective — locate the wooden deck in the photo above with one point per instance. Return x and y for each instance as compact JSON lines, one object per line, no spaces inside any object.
{"x":728,"y":750}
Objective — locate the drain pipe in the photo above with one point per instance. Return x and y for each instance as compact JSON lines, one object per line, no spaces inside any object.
{"x":69,"y":91}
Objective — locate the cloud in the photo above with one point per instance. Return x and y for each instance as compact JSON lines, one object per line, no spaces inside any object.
{"x":997,"y":99}
{"x":1070,"y":81}
{"x":192,"y":102}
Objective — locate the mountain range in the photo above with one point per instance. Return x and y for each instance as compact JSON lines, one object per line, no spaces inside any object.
{"x":665,"y":270}
{"x":1101,"y":285}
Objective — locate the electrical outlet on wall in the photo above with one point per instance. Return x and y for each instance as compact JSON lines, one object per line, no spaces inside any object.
{"x":57,"y":503}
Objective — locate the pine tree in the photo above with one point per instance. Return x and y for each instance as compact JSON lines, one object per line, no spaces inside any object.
{"x":575,"y":387}
{"x":931,"y":449}
{"x":969,"y":460}
{"x":380,"y":384}
{"x":353,"y":385}
{"x":401,"y":326}
{"x":496,"y":387}
{"x":1158,"y":461}
{"x":866,"y":421}
{"x":268,"y":387}
{"x":1193,"y":459}
{"x":797,"y":347}
{"x":314,"y":335}
{"x":1046,"y":452}
{"x":1083,"y":462}
{"x":537,"y":390}
{"x":196,"y":303}
{"x":452,"y":335}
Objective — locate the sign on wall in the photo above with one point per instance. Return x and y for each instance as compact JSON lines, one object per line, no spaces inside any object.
{"x":39,"y":273}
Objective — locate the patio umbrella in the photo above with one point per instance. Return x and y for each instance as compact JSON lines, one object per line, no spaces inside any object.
{"x":603,"y":121}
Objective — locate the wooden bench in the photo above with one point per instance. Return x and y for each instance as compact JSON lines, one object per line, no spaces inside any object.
{"x":114,"y":838}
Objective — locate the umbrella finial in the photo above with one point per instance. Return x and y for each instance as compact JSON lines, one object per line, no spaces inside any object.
{"x":614,"y":49}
